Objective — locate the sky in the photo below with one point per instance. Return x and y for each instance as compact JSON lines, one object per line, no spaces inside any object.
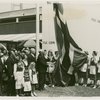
{"x":84,"y":25}
{"x":83,"y":19}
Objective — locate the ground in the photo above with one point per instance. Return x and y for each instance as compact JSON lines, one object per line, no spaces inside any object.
{"x":79,"y":91}
{"x":71,"y":91}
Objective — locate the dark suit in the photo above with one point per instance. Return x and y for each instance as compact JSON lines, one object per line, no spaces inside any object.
{"x":1,"y":70}
{"x":31,"y":58}
{"x":11,"y":83}
{"x":41,"y":67}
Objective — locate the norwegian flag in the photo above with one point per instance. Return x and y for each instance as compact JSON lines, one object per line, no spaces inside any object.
{"x":71,"y":55}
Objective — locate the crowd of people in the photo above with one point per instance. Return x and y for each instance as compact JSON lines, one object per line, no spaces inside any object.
{"x":21,"y":73}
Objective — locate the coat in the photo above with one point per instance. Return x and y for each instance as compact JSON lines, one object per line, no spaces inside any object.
{"x":31,"y":58}
{"x":41,"y":64}
{"x":10,"y":66}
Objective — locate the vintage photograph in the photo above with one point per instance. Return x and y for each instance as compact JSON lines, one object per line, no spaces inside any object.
{"x":50,"y":48}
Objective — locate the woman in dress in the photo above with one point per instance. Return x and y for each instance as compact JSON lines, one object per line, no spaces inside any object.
{"x":27,"y":84}
{"x":83,"y":70}
{"x":19,"y":76}
{"x":93,"y":68}
{"x":33,"y":77}
{"x":51,"y":67}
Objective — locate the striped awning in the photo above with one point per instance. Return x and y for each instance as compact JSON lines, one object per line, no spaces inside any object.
{"x":19,"y":37}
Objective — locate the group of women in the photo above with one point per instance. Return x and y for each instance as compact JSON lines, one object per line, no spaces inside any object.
{"x":89,"y":73}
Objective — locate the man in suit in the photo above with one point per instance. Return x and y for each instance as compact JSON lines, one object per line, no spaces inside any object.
{"x":1,"y":70}
{"x":10,"y":67}
{"x":41,"y":68}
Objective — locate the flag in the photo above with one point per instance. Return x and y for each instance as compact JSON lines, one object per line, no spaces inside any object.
{"x":71,"y":55}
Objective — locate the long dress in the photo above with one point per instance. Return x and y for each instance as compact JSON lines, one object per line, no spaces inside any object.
{"x":50,"y":70}
{"x":93,"y":68}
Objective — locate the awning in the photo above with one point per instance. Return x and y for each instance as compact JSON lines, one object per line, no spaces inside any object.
{"x":19,"y":37}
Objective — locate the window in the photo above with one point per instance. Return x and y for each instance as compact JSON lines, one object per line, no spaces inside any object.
{"x":8,"y":20}
{"x":27,"y":18}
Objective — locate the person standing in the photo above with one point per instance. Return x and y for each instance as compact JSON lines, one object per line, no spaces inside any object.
{"x":1,"y":71}
{"x":10,"y":67}
{"x":41,"y":67}
{"x":33,"y":78}
{"x":27,"y":83}
{"x":19,"y":76}
{"x":4,"y":71}
{"x":1,"y":68}
{"x":51,"y":68}
{"x":83,"y":70}
{"x":93,"y":68}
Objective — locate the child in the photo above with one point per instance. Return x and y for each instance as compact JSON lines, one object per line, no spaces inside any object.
{"x":19,"y":77}
{"x":33,"y":77}
{"x":27,"y":84}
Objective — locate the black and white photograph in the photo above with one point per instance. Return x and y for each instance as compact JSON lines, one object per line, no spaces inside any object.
{"x":50,"y":48}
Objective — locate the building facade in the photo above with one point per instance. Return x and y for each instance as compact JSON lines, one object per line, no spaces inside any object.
{"x":19,"y":25}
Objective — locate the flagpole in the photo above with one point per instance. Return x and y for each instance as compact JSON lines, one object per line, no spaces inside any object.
{"x":37,"y":29}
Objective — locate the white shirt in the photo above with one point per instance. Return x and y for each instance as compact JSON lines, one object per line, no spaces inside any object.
{"x":84,"y":67}
{"x":93,"y":69}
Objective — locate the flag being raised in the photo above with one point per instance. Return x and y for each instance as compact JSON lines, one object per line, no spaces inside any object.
{"x":71,"y":56}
